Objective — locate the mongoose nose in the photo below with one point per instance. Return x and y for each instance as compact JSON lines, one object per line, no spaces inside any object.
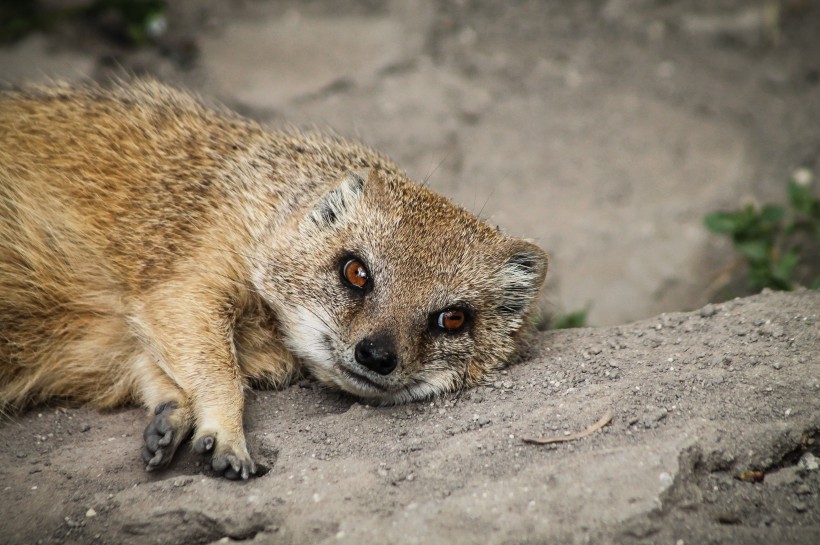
{"x":377,"y":354}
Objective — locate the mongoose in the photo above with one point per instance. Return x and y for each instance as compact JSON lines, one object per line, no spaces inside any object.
{"x":154,"y":250}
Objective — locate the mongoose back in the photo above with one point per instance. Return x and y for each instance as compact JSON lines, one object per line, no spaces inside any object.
{"x":157,"y":251}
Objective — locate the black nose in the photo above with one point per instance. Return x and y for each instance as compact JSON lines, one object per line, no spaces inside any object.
{"x":377,"y":353}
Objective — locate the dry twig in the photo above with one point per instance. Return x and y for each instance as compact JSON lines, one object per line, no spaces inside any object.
{"x":604,"y":420}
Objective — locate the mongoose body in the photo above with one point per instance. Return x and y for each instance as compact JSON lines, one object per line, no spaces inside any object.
{"x":156,"y":251}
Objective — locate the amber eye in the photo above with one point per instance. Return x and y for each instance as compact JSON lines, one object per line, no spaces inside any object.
{"x":451,"y":320}
{"x":355,"y":273}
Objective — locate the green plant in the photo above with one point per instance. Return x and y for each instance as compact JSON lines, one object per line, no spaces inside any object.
{"x":778,"y":244}
{"x":543,"y":320}
{"x":568,"y":320}
{"x":133,"y":21}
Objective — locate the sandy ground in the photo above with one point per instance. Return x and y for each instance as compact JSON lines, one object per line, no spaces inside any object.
{"x":604,"y":131}
{"x":696,"y":398}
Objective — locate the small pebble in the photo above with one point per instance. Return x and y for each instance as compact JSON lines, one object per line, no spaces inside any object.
{"x":799,"y":506}
{"x":802,"y":489}
{"x":708,"y":311}
{"x":809,"y":462}
{"x":653,"y":416}
{"x":91,"y":513}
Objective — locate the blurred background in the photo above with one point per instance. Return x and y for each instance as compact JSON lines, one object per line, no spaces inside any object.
{"x":606,"y":131}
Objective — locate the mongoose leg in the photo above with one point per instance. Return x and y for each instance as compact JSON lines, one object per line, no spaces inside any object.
{"x":192,"y":345}
{"x":170,"y":409}
{"x":219,"y":429}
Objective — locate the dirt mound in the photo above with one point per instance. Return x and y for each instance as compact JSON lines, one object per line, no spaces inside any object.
{"x":698,"y":398}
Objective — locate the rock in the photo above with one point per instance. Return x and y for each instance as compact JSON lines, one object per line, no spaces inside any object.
{"x":300,"y":55}
{"x":653,"y":416}
{"x":782,"y":477}
{"x":802,"y":489}
{"x":808,"y":462}
{"x":799,"y":506}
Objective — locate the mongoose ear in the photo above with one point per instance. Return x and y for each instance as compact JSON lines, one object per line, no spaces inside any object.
{"x":335,"y":203}
{"x":522,"y":276}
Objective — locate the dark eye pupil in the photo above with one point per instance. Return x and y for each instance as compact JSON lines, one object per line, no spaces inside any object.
{"x":451,"y":320}
{"x":355,"y":273}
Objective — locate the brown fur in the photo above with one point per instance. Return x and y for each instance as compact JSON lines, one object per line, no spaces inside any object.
{"x":153,"y":250}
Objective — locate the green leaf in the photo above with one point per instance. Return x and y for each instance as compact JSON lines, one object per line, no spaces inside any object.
{"x":774,"y":240}
{"x":772,"y":213}
{"x":723,"y":223}
{"x":570,"y":319}
{"x":758,"y":278}
{"x":754,"y":250}
{"x":801,"y":197}
{"x":783,"y":270}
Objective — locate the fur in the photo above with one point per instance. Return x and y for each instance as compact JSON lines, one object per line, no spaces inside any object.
{"x":156,"y":251}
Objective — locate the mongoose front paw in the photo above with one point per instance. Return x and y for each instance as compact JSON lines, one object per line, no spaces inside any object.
{"x":233,"y":461}
{"x":163,"y":435}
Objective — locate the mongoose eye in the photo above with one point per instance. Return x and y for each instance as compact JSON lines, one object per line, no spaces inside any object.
{"x":451,"y":320}
{"x":355,"y":274}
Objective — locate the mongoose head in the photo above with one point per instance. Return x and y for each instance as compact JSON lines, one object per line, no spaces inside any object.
{"x":392,"y":293}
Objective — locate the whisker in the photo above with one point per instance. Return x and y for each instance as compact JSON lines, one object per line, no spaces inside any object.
{"x":430,"y":175}
{"x":485,"y":202}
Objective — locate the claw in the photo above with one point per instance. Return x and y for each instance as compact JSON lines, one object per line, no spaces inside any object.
{"x":204,"y":444}
{"x":166,"y":439}
{"x":157,"y":459}
{"x":235,"y":463}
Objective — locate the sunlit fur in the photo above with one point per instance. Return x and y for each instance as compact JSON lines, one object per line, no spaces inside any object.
{"x":155,"y":250}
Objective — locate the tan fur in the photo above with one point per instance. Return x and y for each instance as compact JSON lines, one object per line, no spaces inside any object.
{"x":153,"y":250}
